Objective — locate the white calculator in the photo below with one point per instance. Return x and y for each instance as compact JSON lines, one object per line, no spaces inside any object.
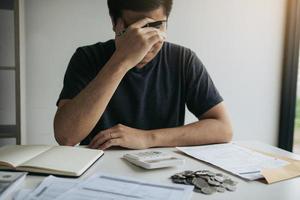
{"x":153,"y":159}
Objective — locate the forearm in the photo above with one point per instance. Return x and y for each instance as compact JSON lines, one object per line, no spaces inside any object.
{"x":206,"y":131}
{"x":75,"y":120}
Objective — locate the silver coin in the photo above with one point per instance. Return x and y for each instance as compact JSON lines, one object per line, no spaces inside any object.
{"x":205,"y":181}
{"x":186,"y":182}
{"x":209,"y":173}
{"x":200,"y":173}
{"x":197,"y":190}
{"x":208,"y":190}
{"x":205,"y":177}
{"x":220,"y":179}
{"x":200,"y":183}
{"x":229,"y":182}
{"x":230,"y":188}
{"x":190,"y":180}
{"x":220,"y":189}
{"x":213,"y":183}
{"x":188,"y":172}
{"x":179,"y":181}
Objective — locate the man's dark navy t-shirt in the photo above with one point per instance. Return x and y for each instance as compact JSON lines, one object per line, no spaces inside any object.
{"x":152,"y":97}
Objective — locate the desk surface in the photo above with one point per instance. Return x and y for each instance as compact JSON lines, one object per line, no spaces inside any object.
{"x":112,"y":163}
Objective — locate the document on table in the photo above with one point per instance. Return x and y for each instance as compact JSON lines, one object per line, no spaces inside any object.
{"x":22,"y":194}
{"x":235,"y":159}
{"x":49,"y":189}
{"x":105,"y":186}
{"x":121,"y":188}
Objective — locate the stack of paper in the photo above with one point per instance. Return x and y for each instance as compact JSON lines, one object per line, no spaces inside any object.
{"x":235,"y":159}
{"x":9,"y":182}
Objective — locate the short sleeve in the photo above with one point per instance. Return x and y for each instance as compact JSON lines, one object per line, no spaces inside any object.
{"x":78,"y":74}
{"x":201,"y":93}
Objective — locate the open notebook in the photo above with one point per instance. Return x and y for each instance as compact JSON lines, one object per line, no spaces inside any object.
{"x":57,"y":160}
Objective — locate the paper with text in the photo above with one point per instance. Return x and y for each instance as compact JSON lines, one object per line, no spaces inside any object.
{"x":121,"y":188}
{"x":238,"y":160}
{"x":51,"y":188}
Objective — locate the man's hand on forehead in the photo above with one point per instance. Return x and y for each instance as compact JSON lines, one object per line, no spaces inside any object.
{"x":143,"y":40}
{"x":156,"y":24}
{"x":145,"y":23}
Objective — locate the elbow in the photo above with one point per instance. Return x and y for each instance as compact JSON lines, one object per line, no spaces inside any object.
{"x":228,"y":133}
{"x":64,"y":141}
{"x":228,"y":137}
{"x":62,"y":137}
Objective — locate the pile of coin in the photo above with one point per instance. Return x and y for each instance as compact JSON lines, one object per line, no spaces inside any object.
{"x":205,"y":181}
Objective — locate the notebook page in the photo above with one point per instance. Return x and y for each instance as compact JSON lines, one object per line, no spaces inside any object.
{"x":18,"y":154}
{"x":65,"y":159}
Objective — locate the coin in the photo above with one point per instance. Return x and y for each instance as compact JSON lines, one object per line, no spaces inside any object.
{"x":220,"y":189}
{"x":197,"y":190}
{"x":220,"y":179}
{"x":208,"y":190}
{"x":214,"y":183}
{"x":230,"y":187}
{"x":205,"y":181}
{"x":177,"y":180}
{"x":189,"y":180}
{"x":229,"y":182}
{"x":200,"y":183}
{"x":209,"y":173}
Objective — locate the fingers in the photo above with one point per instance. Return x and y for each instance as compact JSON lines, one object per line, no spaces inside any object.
{"x":99,"y":139}
{"x":151,"y":29}
{"x":148,"y":29}
{"x":94,"y":140}
{"x":103,"y":137}
{"x":155,"y":49}
{"x":141,"y":23}
{"x":155,"y":38}
{"x":110,"y":143}
{"x":152,"y":34}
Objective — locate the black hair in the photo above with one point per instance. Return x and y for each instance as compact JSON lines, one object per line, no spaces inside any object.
{"x":117,"y":6}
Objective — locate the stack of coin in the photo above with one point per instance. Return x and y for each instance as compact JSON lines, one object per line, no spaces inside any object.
{"x":205,"y":181}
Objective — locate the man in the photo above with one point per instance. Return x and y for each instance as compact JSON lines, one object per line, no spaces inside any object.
{"x":132,"y":91}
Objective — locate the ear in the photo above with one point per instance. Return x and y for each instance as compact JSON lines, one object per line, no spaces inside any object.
{"x":118,"y":26}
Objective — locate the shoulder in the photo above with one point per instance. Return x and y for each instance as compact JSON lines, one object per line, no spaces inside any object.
{"x":179,"y":53}
{"x":92,"y":57}
{"x":176,"y":49}
{"x":181,"y":56}
{"x":97,"y":49}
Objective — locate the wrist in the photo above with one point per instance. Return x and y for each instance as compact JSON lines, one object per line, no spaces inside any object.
{"x":122,"y":60}
{"x":150,"y":138}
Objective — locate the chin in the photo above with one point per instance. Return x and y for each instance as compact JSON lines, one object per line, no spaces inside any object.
{"x":146,"y":59}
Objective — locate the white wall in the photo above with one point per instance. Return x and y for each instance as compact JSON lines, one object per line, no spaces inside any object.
{"x":240,"y":42}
